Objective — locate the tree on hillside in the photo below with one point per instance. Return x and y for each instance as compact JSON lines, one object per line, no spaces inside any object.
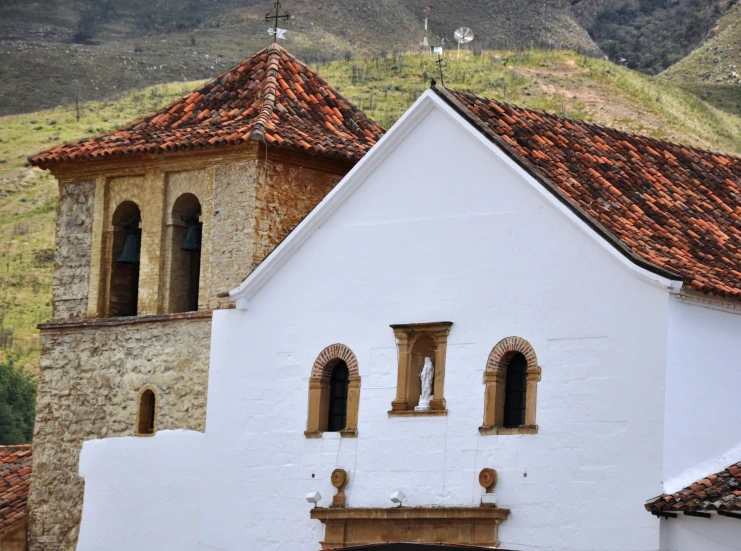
{"x":17,"y":406}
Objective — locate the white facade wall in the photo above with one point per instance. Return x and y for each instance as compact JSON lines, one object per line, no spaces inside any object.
{"x":442,"y":230}
{"x":699,"y":534}
{"x":142,"y":493}
{"x":702,"y":392}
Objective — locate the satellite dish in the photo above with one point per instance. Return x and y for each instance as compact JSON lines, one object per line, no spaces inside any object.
{"x":464,"y":35}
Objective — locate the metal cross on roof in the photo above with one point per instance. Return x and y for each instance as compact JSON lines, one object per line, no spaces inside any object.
{"x":270,"y":17}
{"x":440,"y":62}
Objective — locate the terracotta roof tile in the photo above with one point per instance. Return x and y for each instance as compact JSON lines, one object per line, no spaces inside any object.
{"x":15,"y":480}
{"x":271,"y":96}
{"x":672,"y":207}
{"x":718,"y":492}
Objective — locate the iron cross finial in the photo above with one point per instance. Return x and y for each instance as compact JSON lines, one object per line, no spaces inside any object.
{"x":277,"y":17}
{"x":440,"y":62}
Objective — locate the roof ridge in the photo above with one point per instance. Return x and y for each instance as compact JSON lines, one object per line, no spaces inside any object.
{"x":269,"y":93}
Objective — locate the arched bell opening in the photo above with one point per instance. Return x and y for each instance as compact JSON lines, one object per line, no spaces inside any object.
{"x":185,"y":246}
{"x":125,"y":260}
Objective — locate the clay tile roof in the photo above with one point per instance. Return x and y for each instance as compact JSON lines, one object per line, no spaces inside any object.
{"x":717,"y":492}
{"x":673,"y":209}
{"x":272,"y":97}
{"x":15,"y":480}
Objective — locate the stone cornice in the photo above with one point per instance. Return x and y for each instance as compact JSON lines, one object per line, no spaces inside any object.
{"x":92,"y":323}
{"x":409,"y":513}
{"x":192,"y":160}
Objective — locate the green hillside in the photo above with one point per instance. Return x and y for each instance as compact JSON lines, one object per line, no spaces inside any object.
{"x":560,"y":82}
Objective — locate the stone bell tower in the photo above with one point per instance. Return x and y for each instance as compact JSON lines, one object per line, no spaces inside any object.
{"x":156,"y":222}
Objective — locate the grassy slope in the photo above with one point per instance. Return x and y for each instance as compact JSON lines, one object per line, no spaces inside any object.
{"x":560,"y":82}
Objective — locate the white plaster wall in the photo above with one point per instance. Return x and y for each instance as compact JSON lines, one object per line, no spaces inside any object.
{"x":442,"y":231}
{"x":422,"y":242}
{"x":699,"y":534}
{"x":702,"y":402}
{"x":142,"y":493}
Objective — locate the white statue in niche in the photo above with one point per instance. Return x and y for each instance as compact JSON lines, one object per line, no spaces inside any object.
{"x":426,"y":377}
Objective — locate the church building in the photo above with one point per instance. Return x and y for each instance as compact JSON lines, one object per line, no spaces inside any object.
{"x":502,"y":329}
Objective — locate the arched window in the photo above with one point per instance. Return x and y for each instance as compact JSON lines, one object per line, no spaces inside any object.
{"x":338,"y":389}
{"x":185,"y":252}
{"x":334,"y":393}
{"x":511,"y":378}
{"x":515,"y":393}
{"x":147,"y":413}
{"x":123,"y":295}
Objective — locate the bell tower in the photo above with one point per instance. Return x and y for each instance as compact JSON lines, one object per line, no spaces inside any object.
{"x":157,"y":222}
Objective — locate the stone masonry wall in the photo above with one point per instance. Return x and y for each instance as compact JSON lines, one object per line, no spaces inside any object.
{"x":89,"y":386}
{"x":73,"y":249}
{"x":286,"y":193}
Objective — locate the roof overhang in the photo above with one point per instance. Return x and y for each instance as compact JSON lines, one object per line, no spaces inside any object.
{"x":439,"y":98}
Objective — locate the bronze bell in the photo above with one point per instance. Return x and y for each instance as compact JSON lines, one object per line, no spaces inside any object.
{"x":131,"y":250}
{"x":192,"y":242}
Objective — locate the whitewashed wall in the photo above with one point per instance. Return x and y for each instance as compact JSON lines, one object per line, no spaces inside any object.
{"x":703,"y":382}
{"x":442,"y":231}
{"x":699,"y":534}
{"x":142,"y":493}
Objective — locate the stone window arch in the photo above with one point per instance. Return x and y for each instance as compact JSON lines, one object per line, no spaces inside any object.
{"x":336,"y":356}
{"x":126,"y":240}
{"x":146,"y":417}
{"x":503,"y":402}
{"x":184,"y":232}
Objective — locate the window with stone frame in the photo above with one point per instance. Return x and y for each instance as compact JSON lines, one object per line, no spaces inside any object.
{"x":125,"y":247}
{"x":184,"y":232}
{"x":334,"y":393}
{"x":415,"y":343}
{"x":146,"y":421}
{"x":511,"y":380}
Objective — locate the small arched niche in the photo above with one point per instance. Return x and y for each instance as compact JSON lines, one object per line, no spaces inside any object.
{"x":186,"y":231}
{"x":123,"y":295}
{"x":146,"y":422}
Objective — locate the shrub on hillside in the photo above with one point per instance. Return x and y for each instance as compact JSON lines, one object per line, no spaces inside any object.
{"x":17,"y":406}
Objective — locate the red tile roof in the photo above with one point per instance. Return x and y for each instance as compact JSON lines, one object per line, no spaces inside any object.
{"x":717,"y":492}
{"x":15,"y":480}
{"x":671,"y":208}
{"x":271,"y":96}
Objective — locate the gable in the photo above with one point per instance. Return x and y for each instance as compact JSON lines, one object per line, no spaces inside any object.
{"x":415,"y":152}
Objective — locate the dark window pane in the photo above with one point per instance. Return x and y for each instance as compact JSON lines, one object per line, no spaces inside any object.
{"x":515,"y":397}
{"x":338,"y":386}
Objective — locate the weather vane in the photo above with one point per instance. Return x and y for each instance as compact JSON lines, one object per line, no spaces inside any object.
{"x":440,"y":61}
{"x":276,"y":32}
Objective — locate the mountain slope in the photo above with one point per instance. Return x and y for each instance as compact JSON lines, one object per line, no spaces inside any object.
{"x":718,"y":59}
{"x":649,"y":35}
{"x":53,"y":50}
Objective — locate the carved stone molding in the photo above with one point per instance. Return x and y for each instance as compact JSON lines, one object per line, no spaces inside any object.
{"x":477,"y":526}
